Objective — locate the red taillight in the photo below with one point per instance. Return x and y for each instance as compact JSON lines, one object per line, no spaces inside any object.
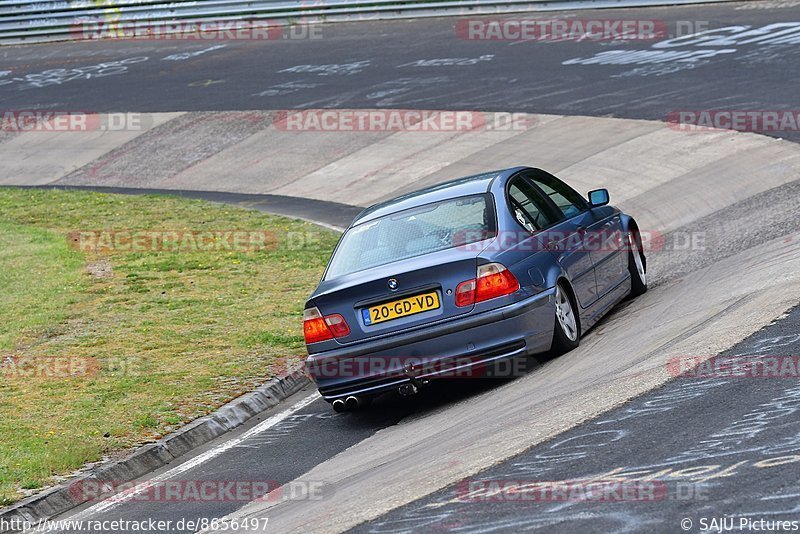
{"x":317,"y":328}
{"x":493,"y":281}
{"x":465,"y":293}
{"x":337,"y":325}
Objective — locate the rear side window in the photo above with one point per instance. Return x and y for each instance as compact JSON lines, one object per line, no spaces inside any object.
{"x":569,"y":201}
{"x":413,"y":232}
{"x":528,"y":206}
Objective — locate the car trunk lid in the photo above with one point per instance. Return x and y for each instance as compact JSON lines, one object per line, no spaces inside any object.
{"x":372,"y":308}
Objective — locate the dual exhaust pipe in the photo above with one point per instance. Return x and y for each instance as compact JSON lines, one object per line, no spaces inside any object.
{"x":349,"y":404}
{"x":353,"y":403}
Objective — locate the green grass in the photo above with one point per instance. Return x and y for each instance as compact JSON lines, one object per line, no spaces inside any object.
{"x":164,"y":336}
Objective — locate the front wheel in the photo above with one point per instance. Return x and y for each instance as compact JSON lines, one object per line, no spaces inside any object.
{"x":566,"y":332}
{"x":636,"y":265}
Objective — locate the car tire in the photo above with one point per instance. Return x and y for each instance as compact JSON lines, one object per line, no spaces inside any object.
{"x":567,"y":328}
{"x":636,"y":265}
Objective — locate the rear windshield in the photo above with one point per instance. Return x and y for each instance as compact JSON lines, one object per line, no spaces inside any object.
{"x":413,"y":232}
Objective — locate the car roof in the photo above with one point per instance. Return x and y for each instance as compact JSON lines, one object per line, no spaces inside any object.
{"x":468,"y":185}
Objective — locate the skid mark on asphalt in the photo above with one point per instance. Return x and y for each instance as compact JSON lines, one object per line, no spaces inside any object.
{"x":287,"y":426}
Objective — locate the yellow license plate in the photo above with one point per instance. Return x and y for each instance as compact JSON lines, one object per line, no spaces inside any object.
{"x":400,"y":308}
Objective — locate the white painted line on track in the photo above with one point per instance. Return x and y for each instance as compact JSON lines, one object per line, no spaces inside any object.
{"x":127,"y":495}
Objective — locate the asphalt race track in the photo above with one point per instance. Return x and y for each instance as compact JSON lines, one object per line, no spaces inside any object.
{"x":422,"y":64}
{"x":280,"y":453}
{"x":331,"y":214}
{"x":606,"y":409}
{"x":732,"y":459}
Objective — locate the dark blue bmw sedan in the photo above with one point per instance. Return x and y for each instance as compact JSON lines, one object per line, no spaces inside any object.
{"x":449,"y":280}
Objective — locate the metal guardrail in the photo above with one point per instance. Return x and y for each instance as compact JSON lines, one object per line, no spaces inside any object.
{"x":51,"y":20}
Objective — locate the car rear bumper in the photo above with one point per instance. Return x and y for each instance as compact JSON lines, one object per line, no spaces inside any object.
{"x":461,"y":348}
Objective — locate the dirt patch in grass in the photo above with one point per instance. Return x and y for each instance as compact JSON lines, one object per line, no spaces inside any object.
{"x":100,"y":268}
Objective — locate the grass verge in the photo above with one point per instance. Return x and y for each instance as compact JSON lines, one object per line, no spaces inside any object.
{"x":107,"y":342}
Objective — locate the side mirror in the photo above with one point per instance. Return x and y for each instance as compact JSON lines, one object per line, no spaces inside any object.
{"x":598,"y":197}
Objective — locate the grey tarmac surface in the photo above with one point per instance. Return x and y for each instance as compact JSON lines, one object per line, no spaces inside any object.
{"x":426,"y":64}
{"x":719,"y":448}
{"x":331,"y":214}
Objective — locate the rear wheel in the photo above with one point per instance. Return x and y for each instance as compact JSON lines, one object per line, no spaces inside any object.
{"x":636,"y":265}
{"x":566,"y":333}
